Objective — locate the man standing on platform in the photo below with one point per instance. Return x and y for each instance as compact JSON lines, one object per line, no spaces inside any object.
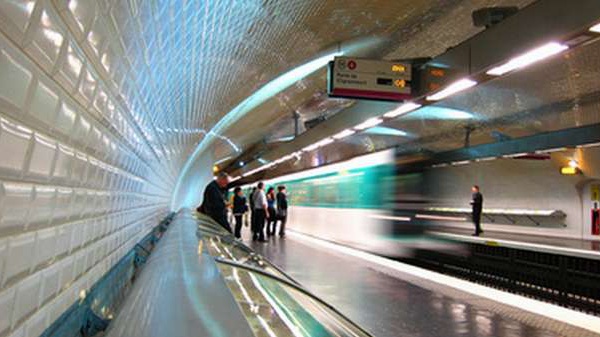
{"x":477,"y":203}
{"x":214,"y":202}
{"x":282,"y":207}
{"x":260,"y":212}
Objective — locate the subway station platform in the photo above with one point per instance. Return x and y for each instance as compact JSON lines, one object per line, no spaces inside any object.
{"x":390,"y":298}
{"x":546,"y":244}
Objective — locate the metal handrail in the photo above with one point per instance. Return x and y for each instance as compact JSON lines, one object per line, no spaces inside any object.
{"x":240,"y":245}
{"x":295,"y":287}
{"x":251,"y":253}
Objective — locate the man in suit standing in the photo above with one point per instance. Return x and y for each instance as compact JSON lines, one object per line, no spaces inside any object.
{"x":477,"y":204}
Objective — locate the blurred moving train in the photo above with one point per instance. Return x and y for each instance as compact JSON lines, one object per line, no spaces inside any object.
{"x":370,"y":203}
{"x":353,"y":203}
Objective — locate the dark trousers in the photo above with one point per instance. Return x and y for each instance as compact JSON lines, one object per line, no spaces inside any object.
{"x":221,"y":219}
{"x":272,"y":222}
{"x":283,"y":220}
{"x":238,"y":225}
{"x":260,"y":215}
{"x":477,"y":222}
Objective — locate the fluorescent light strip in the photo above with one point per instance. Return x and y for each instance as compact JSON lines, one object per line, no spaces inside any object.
{"x":595,"y":28}
{"x":318,"y":144}
{"x":344,"y":134}
{"x":222,"y":160}
{"x":568,"y":316}
{"x":311,"y":147}
{"x":372,"y":159}
{"x":589,"y":145}
{"x":402,"y":110}
{"x":514,"y":155}
{"x":282,"y":159}
{"x":530,"y":57}
{"x":557,"y":149}
{"x":452,"y":89}
{"x":369,"y":123}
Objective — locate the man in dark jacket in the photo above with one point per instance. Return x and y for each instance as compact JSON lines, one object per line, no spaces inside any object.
{"x":282,"y":208}
{"x":477,"y":203}
{"x":239,"y":208}
{"x":213,"y":203}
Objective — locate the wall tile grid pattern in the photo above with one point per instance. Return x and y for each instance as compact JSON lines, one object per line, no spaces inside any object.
{"x":80,"y":182}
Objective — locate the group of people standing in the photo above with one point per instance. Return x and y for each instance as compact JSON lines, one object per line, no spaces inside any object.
{"x":266,"y":208}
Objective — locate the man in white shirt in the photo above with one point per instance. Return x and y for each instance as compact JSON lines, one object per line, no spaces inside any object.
{"x":260,"y":211}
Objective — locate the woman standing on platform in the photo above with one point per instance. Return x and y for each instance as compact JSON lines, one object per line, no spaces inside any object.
{"x":272,"y":222}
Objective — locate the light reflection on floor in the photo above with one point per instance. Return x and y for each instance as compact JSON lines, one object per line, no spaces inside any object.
{"x":384,"y":305}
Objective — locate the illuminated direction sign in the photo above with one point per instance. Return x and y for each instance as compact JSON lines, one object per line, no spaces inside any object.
{"x":371,"y":79}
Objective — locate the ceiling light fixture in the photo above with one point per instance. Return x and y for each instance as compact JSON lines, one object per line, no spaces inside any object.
{"x":595,"y":28}
{"x":402,"y":110}
{"x":344,"y":134}
{"x":573,"y":163}
{"x":385,"y":131}
{"x":318,"y":144}
{"x":452,"y":89}
{"x":530,"y":57}
{"x":371,"y":122}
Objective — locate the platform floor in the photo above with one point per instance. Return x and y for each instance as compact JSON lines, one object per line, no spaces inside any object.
{"x":583,"y":248}
{"x":391,"y":304}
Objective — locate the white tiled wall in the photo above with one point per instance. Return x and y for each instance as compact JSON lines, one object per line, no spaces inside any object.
{"x":81,"y":175}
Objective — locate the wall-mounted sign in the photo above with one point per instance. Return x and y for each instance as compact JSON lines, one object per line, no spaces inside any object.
{"x":434,"y":78}
{"x":595,"y":192}
{"x":371,"y":79}
{"x":569,"y":170}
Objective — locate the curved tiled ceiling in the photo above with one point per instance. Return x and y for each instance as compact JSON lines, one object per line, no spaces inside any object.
{"x":164,"y":73}
{"x":103,"y":102}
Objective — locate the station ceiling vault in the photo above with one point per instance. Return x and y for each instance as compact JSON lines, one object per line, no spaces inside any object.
{"x":168,"y":72}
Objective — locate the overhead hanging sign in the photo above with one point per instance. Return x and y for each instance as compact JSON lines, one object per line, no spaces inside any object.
{"x":371,"y":79}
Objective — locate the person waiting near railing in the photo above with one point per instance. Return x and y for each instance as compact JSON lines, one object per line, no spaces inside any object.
{"x":214,"y":200}
{"x":239,"y":209}
{"x":272,"y":222}
{"x":261,"y":212}
{"x":282,"y":207}
{"x":477,"y":204}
